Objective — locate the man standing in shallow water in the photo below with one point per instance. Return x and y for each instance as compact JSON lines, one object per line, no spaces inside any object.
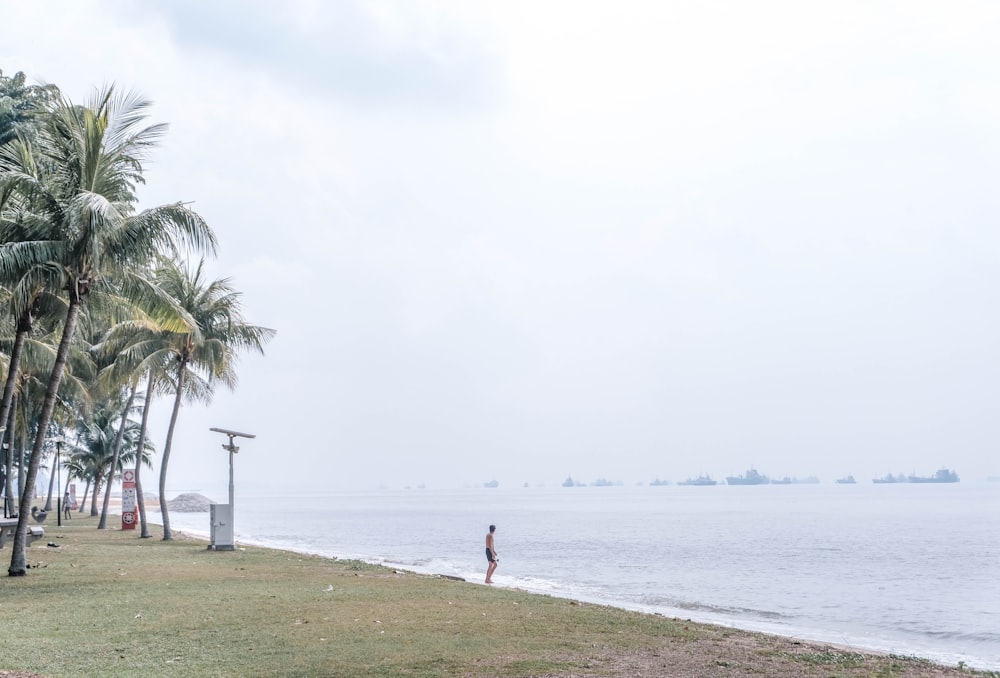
{"x":491,"y":555}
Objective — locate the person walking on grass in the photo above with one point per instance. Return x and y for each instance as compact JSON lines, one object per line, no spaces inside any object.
{"x":491,"y":555}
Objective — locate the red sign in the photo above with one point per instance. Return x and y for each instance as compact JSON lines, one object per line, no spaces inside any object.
{"x":130,"y":514}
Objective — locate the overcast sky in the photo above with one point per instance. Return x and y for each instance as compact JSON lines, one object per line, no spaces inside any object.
{"x":520,"y":240}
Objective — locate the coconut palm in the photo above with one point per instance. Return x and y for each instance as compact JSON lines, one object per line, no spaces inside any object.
{"x":83,"y":464}
{"x":143,"y":428}
{"x":19,"y":103}
{"x":97,"y":435}
{"x":25,"y":293}
{"x":37,"y":359}
{"x":205,"y":354}
{"x":112,"y":382}
{"x":8,"y":454}
{"x":116,"y":452}
{"x":80,"y":464}
{"x":108,"y":440}
{"x":89,"y":230}
{"x":140,"y":350}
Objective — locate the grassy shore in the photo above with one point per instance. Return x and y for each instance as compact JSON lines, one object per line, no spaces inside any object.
{"x":106,"y":603}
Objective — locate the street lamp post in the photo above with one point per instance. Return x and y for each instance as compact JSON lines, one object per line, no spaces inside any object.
{"x":59,"y":444}
{"x":7,"y":501}
{"x":6,"y":465}
{"x":226,"y":537}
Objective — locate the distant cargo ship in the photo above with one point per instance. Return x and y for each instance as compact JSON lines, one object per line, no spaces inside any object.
{"x":846,"y":480}
{"x":751,"y":477}
{"x":808,"y":480}
{"x":942,"y":476}
{"x":700,"y":480}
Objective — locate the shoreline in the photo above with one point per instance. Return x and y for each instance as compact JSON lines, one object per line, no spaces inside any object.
{"x":275,"y":612}
{"x":840,"y":641}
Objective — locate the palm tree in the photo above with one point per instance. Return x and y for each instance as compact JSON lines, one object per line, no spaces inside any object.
{"x":108,"y":440}
{"x":112,"y":381}
{"x":74,"y":396}
{"x":22,"y":103}
{"x":27,"y":292}
{"x":83,"y":464}
{"x":89,"y":231}
{"x":207,"y":352}
{"x":143,"y":428}
{"x":96,"y":442}
{"x":8,"y":452}
{"x":139,"y":349}
{"x":116,"y":452}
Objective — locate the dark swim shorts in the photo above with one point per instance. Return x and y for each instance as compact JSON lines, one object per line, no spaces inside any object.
{"x":489,"y":555}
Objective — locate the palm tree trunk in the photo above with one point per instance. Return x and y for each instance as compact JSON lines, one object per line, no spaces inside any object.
{"x":181,"y":373}
{"x":143,"y":525}
{"x":9,"y":453}
{"x":116,"y":455}
{"x":52,"y":484}
{"x":7,"y":404}
{"x":98,"y":479}
{"x":14,"y":366}
{"x":22,"y":444}
{"x":83,"y":501}
{"x":18,"y":564}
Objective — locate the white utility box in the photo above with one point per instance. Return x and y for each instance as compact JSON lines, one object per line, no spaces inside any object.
{"x":222,"y":527}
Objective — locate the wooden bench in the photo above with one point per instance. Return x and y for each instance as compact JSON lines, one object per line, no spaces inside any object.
{"x":8,"y":526}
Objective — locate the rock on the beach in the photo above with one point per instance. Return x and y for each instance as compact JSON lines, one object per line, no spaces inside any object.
{"x":190,"y":502}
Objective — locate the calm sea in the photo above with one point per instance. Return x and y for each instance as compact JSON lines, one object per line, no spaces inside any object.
{"x":908,"y":569}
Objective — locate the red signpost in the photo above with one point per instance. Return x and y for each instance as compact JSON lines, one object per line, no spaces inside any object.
{"x":129,"y":511}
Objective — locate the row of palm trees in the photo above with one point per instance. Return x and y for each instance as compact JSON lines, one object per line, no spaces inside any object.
{"x":103,"y":313}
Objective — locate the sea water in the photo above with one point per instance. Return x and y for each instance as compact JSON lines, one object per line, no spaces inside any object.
{"x":907,"y":569}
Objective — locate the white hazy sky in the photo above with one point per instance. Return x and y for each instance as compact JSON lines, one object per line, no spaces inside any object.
{"x":520,"y":240}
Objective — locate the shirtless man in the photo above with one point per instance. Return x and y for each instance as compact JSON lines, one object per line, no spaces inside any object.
{"x":491,"y":555}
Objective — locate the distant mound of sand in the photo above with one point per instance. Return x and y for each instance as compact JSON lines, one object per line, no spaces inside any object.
{"x":190,"y":502}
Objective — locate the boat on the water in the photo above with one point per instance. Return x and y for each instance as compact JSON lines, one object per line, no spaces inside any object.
{"x":703,"y":480}
{"x":808,"y":480}
{"x":942,"y":476}
{"x":846,"y":480}
{"x":751,"y":477}
{"x":659,"y":483}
